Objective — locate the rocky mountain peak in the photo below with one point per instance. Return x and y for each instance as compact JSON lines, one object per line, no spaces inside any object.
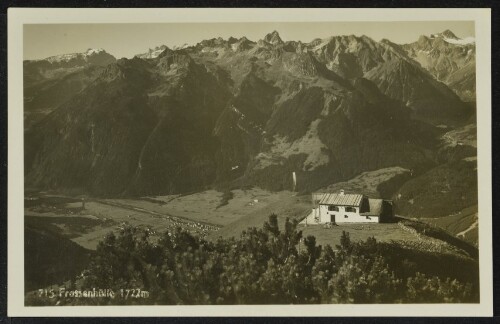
{"x":153,"y":53}
{"x":232,"y":40}
{"x":450,"y":38}
{"x":242,"y":44}
{"x":449,"y":59}
{"x":273,"y":38}
{"x":424,"y":41}
{"x":448,"y":34}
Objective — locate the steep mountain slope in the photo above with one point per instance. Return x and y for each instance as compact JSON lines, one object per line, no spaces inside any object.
{"x":140,"y":127}
{"x":242,"y":112}
{"x":448,"y":188}
{"x":43,"y":97}
{"x":52,"y":81}
{"x":442,"y":191}
{"x":320,"y":124}
{"x":450,"y":59}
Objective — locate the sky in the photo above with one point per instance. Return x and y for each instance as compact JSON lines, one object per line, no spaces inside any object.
{"x":126,"y":40}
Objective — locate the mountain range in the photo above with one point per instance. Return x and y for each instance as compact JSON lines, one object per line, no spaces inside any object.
{"x":449,"y":59}
{"x":234,"y":112}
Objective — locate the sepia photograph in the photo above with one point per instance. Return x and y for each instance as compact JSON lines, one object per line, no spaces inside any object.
{"x":242,"y":162}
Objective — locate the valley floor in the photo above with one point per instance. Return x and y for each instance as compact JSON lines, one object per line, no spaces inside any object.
{"x":205,"y":214}
{"x":200,"y":213}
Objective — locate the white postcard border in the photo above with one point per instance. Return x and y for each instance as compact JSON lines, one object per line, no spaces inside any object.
{"x":19,"y":16}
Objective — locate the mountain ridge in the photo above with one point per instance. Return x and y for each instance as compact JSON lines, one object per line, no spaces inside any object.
{"x":236,"y":112}
{"x":449,"y":59}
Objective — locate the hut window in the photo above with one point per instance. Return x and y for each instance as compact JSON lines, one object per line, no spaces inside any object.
{"x":345,"y":216}
{"x":333,"y":208}
{"x":350,"y":209}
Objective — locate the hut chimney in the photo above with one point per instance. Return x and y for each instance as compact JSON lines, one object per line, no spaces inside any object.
{"x":341,"y":192}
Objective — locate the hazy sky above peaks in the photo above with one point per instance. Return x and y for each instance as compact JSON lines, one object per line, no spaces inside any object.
{"x":127,"y":40}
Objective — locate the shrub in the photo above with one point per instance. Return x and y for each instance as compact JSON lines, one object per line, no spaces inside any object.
{"x":261,"y":266}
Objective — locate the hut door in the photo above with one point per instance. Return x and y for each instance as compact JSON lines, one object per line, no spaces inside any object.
{"x":332,"y":218}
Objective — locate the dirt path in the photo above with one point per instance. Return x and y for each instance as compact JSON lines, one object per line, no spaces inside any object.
{"x":471,"y":227}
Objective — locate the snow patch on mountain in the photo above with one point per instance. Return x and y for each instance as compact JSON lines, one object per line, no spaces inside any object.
{"x":71,"y":56}
{"x":461,"y":41}
{"x":179,"y":47}
{"x":92,"y":51}
{"x":323,"y":43}
{"x":450,"y":38}
{"x":62,"y":58}
{"x":152,"y":53}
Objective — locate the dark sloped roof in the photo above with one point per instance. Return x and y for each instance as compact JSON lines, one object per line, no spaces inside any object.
{"x":375,"y":207}
{"x":341,"y":199}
